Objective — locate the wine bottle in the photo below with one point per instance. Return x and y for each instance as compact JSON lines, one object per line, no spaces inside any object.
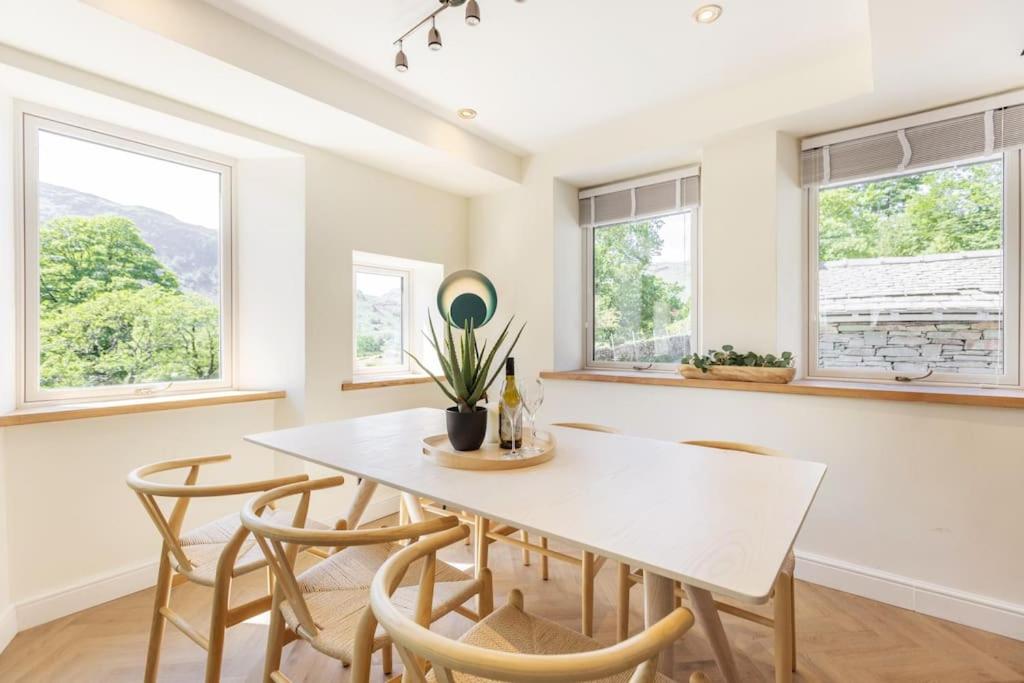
{"x":510,"y":396}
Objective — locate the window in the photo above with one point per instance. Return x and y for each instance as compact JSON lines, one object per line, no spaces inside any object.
{"x":127,"y":264}
{"x":915,"y":273}
{"x":382,"y":320}
{"x":640,"y":277}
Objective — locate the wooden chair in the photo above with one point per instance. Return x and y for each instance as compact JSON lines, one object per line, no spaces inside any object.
{"x":212,"y":555}
{"x":327,"y":605}
{"x":783,"y":623}
{"x":510,"y":643}
{"x":588,"y":563}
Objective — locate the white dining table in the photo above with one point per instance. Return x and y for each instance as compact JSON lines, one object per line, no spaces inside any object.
{"x":719,"y":522}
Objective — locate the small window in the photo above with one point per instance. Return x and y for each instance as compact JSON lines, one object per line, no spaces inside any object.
{"x":127,"y":264}
{"x":382,"y":319}
{"x":641,"y":292}
{"x":915,"y":275}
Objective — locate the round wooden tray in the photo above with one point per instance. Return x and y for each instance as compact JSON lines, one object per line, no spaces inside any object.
{"x":489,"y":457}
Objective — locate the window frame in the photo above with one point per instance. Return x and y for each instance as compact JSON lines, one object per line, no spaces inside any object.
{"x":30,"y":120}
{"x":1013,"y":262}
{"x":588,"y":294}
{"x":405,"y":368}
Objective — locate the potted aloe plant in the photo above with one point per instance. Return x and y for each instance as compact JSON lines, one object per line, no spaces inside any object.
{"x":467,"y":372}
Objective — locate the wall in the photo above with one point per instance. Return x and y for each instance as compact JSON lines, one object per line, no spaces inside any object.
{"x":921,"y":504}
{"x":300,"y":215}
{"x":8,"y":622}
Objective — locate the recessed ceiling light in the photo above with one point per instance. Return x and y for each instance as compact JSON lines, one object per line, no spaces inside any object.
{"x":467,"y":114}
{"x":707,"y":14}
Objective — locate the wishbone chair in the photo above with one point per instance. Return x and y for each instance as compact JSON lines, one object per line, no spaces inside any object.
{"x":327,"y":605}
{"x":212,"y":555}
{"x":510,"y":644}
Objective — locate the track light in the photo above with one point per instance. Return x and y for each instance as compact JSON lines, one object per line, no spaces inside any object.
{"x":434,"y":37}
{"x":472,"y":13}
{"x":401,"y":63}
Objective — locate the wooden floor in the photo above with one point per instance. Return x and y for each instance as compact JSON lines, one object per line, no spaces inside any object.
{"x":840,"y":637}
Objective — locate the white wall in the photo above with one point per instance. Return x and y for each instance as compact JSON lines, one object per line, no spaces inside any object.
{"x":7,"y":344}
{"x":921,"y":505}
{"x":77,"y":536}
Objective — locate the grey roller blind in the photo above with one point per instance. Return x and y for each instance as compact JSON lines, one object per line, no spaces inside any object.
{"x":639,"y":202}
{"x":929,"y":144}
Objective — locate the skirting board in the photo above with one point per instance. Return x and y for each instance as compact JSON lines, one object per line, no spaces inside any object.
{"x":969,"y":609}
{"x":8,"y":626}
{"x":40,"y":610}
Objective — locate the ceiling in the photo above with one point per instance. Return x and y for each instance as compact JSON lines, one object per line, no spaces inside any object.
{"x":590,"y":91}
{"x":539,"y":70}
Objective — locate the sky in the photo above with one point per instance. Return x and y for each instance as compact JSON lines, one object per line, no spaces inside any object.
{"x":189,"y":194}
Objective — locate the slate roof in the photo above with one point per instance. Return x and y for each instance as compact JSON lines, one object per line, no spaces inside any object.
{"x":969,"y":282}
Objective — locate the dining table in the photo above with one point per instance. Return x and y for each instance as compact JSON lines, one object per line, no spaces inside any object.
{"x":719,"y":522}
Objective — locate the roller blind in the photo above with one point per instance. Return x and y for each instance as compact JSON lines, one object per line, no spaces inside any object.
{"x":620,"y":205}
{"x":929,"y":144}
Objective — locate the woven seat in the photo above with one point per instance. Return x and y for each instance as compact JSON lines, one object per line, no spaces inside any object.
{"x":203,"y":547}
{"x":337,"y":591}
{"x":509,"y":629}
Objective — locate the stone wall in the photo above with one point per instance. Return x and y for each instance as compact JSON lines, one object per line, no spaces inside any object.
{"x":964,"y":347}
{"x":659,"y":349}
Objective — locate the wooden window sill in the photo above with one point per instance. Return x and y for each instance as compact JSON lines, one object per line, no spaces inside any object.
{"x":79,"y":411}
{"x":966,"y":396}
{"x":379,"y":381}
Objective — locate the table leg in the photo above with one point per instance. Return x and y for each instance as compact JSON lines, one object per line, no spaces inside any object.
{"x":364,"y":492}
{"x":658,"y":598}
{"x":703,"y":605}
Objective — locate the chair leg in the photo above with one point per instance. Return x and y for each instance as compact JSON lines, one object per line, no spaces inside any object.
{"x":544,"y":559}
{"x":218,"y":627}
{"x":386,"y":663}
{"x":587,"y":591}
{"x":275,"y":639}
{"x":785,"y":650}
{"x":622,"y":621}
{"x":525,"y":538}
{"x":156,"y":628}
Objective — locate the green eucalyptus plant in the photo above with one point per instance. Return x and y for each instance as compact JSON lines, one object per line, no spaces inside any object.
{"x":466,"y":366}
{"x":728,"y":356}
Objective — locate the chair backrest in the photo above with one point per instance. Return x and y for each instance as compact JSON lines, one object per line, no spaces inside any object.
{"x":588,"y":427}
{"x":170,"y":526}
{"x":735,"y":446}
{"x":414,"y":639}
{"x":280,"y":543}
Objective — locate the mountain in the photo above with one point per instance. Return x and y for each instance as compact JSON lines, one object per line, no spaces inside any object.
{"x":191,"y":251}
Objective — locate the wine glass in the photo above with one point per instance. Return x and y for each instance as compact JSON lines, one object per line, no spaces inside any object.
{"x":533,"y":397}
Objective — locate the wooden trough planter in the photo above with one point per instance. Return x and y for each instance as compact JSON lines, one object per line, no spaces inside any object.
{"x":739,"y":373}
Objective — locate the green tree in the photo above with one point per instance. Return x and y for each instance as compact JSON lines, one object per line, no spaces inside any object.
{"x":112,"y":314}
{"x":80,"y":258}
{"x":631,"y":302}
{"x":941,"y":211}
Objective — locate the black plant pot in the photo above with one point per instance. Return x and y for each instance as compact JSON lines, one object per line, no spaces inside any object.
{"x":466,"y":431}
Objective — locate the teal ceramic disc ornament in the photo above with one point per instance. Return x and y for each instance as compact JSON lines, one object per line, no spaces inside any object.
{"x":465,"y":295}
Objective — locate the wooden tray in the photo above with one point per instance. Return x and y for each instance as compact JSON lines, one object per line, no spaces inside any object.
{"x":739,"y":373}
{"x":489,"y":457}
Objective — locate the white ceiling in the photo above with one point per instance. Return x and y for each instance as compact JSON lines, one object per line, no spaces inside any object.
{"x":536,"y":71}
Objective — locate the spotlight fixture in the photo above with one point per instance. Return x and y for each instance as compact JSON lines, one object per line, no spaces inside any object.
{"x":401,"y":63}
{"x":707,"y":14}
{"x":434,"y":36}
{"x":467,"y":114}
{"x":472,"y":13}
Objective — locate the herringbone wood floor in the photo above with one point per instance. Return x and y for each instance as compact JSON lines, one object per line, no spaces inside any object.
{"x":840,"y":637}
